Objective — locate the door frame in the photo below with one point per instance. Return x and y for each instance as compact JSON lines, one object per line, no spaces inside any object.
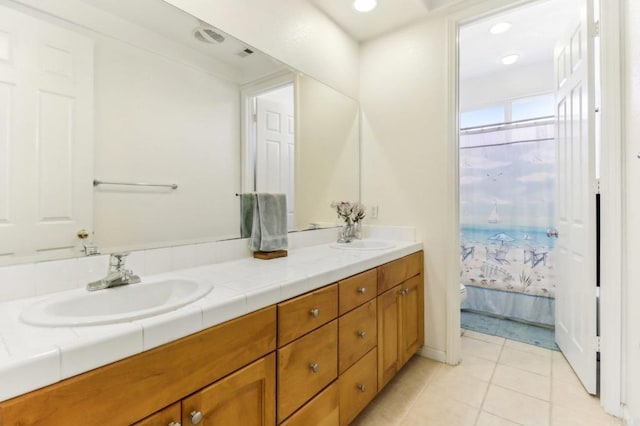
{"x":247,"y":94}
{"x":611,"y":185}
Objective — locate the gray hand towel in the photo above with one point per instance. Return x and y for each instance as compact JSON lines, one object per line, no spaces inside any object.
{"x":247,"y":205}
{"x":269,"y":230}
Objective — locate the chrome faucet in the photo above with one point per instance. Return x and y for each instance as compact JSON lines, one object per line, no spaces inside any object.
{"x":116,"y":276}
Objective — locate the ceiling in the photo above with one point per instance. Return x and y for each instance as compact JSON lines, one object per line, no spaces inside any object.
{"x":535,"y":29}
{"x":178,"y":26}
{"x":387,"y":16}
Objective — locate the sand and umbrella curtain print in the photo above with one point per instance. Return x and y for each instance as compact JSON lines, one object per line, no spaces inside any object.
{"x":507,"y":195}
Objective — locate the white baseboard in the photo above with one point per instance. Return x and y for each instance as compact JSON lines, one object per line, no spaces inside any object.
{"x":627,"y":418}
{"x":431,"y":353}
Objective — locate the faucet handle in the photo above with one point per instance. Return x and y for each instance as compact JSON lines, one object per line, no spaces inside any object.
{"x":118,"y":259}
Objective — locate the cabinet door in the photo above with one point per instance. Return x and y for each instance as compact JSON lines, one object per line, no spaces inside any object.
{"x":245,"y":398}
{"x":388,"y":337}
{"x":169,"y":416}
{"x":411,"y":317}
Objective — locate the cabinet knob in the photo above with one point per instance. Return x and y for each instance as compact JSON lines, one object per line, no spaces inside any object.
{"x":174,"y":424}
{"x":404,"y":292}
{"x":362,"y":290}
{"x":315,"y":312}
{"x":196,"y":417}
{"x":314,"y":367}
{"x":362,"y":388}
{"x":361,"y":334}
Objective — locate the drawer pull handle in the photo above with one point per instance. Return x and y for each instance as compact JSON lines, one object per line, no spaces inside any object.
{"x":196,"y":417}
{"x":361,"y":334}
{"x":314,"y":367}
{"x":362,"y":388}
{"x":315,"y":312}
{"x":362,"y":290}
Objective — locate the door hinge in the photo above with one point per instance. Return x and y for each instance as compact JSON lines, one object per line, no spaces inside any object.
{"x":255,"y":118}
{"x":597,"y":186}
{"x":596,"y":29}
{"x":597,"y":343}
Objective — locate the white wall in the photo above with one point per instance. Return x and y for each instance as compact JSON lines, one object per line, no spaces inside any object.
{"x":327,"y":152}
{"x":294,"y":32}
{"x":406,"y":164}
{"x":631,"y":86}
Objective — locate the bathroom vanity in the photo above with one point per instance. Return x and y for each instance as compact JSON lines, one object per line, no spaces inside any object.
{"x":315,"y":359}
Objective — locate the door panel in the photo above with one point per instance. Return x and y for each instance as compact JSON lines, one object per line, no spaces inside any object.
{"x":46,"y":135}
{"x":275,"y":151}
{"x":575,"y":216}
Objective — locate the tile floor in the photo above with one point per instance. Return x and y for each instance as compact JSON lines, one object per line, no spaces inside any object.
{"x":499,"y":382}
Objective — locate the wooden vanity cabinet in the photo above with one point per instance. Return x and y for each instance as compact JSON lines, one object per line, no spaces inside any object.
{"x":134,"y":388}
{"x":400,"y":314}
{"x":169,"y":416}
{"x":316,"y":359}
{"x":246,"y":397}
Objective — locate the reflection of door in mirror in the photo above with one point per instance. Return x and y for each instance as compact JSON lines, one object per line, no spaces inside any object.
{"x":274,"y":141}
{"x":46,"y":128}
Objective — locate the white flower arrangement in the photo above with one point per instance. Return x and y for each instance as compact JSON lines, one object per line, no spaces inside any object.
{"x":350,"y":212}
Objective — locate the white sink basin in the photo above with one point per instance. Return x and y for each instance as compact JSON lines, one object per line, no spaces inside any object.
{"x":364,"y":245}
{"x":113,"y":305}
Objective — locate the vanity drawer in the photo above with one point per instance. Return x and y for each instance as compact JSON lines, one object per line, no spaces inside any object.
{"x":358,"y":386}
{"x":358,"y":289}
{"x":305,"y":313}
{"x":323,"y":410}
{"x":393,"y":273}
{"x":305,"y":367}
{"x":357,"y":334}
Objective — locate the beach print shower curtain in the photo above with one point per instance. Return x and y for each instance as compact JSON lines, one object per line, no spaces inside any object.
{"x":507,"y":194}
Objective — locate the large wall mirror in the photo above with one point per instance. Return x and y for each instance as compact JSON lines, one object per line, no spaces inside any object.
{"x":116,"y":91}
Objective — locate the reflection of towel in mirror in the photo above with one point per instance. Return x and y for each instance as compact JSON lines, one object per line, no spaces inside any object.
{"x":269,"y":230}
{"x":247,"y":201}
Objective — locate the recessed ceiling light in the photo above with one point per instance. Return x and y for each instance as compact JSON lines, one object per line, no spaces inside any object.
{"x":364,"y":5}
{"x":500,"y":27}
{"x":510,"y":59}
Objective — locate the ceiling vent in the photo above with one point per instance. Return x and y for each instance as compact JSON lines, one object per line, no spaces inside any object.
{"x":244,"y":53}
{"x":207,"y":35}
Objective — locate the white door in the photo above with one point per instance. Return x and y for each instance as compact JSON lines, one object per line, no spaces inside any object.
{"x":575,"y":250}
{"x":46,"y":136}
{"x":276,"y":151}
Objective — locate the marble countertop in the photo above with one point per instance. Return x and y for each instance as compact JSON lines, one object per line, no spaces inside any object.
{"x":32,"y":357}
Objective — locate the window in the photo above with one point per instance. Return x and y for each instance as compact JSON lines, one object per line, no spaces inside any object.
{"x":481,"y":117}
{"x":534,"y":107}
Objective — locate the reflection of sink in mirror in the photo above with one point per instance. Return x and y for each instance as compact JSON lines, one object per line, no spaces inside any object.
{"x":114,"y":305}
{"x":364,"y":245}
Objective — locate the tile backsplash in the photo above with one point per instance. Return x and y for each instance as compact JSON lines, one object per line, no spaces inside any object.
{"x":34,"y":279}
